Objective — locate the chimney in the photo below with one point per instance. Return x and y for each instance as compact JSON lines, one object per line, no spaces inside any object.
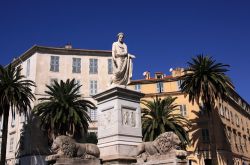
{"x":159,"y":75}
{"x":68,"y":46}
{"x":177,"y":72}
{"x":146,"y":75}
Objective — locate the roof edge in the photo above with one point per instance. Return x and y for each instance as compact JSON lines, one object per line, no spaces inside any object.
{"x":59,"y":51}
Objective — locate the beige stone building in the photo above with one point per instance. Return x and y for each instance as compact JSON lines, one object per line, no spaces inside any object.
{"x":227,"y":131}
{"x":90,"y":68}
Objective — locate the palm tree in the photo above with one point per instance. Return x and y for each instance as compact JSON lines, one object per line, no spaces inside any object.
{"x":205,"y":83}
{"x":159,"y":116}
{"x":63,"y":111}
{"x":15,"y":96}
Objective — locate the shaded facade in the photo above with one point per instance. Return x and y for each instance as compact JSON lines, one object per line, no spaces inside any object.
{"x":225,"y":132}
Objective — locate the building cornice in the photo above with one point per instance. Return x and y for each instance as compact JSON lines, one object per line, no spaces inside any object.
{"x":155,"y":80}
{"x":164,"y":94}
{"x":59,"y":51}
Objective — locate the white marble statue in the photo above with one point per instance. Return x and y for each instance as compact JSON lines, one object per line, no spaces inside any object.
{"x":122,"y":62}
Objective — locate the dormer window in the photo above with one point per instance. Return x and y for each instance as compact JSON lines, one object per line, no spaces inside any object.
{"x":159,"y":75}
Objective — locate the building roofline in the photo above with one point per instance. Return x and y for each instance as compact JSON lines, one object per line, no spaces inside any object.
{"x":171,"y":78}
{"x":154,"y":80}
{"x":59,"y":51}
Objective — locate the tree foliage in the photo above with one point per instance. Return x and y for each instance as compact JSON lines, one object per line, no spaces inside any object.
{"x":205,"y":81}
{"x":160,"y":116}
{"x":15,"y":97}
{"x":63,"y":111}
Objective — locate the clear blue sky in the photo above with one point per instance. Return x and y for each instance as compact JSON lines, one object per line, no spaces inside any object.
{"x":161,"y":33}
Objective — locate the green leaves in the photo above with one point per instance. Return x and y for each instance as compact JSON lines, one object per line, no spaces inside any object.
{"x":205,"y":81}
{"x":159,"y":116}
{"x":15,"y":91}
{"x":15,"y":96}
{"x":63,"y":111}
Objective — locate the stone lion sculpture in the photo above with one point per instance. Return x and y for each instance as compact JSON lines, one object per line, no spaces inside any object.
{"x":167,"y":143}
{"x":66,"y":147}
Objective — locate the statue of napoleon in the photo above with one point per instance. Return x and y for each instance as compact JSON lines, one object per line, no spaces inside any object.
{"x":122,"y":63}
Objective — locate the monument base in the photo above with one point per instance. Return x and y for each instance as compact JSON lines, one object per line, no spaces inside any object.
{"x":167,"y":159}
{"x":118,"y":160}
{"x":119,"y":125}
{"x":77,"y":161}
{"x":163,"y":160}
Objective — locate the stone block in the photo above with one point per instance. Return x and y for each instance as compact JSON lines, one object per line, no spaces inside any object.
{"x":77,"y":161}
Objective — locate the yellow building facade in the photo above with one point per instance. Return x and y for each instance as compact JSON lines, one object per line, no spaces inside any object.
{"x":225,"y":132}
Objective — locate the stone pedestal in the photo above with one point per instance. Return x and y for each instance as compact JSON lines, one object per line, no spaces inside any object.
{"x":167,"y":159}
{"x":77,"y":161}
{"x":119,"y":125}
{"x":165,"y":162}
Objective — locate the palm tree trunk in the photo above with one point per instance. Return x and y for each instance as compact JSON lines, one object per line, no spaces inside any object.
{"x":4,"y":135}
{"x":213,"y":145}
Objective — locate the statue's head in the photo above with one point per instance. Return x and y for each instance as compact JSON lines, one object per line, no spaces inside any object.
{"x":120,"y":36}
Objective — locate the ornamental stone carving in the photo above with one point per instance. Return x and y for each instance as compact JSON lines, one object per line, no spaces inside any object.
{"x":128,"y":117}
{"x":166,"y":145}
{"x":66,"y":147}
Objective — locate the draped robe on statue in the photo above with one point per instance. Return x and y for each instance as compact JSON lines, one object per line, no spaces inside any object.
{"x":122,"y":64}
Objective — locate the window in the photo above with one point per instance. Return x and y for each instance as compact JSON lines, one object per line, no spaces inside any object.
{"x":179,"y":82}
{"x":11,"y":144}
{"x":232,"y":117}
{"x":93,"y":87}
{"x":159,"y":87}
{"x":52,"y":81}
{"x":54,"y":63}
{"x":226,"y":113}
{"x":93,"y":66}
{"x":159,"y":76}
{"x":229,"y":135}
{"x":28,"y":68}
{"x":235,"y":139}
{"x":183,"y":110}
{"x":138,"y":87}
{"x":240,"y":143}
{"x":205,"y":135}
{"x":110,"y":66}
{"x":237,"y":120}
{"x":245,"y":143}
{"x":93,"y":114}
{"x":242,"y":124}
{"x":76,"y":65}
